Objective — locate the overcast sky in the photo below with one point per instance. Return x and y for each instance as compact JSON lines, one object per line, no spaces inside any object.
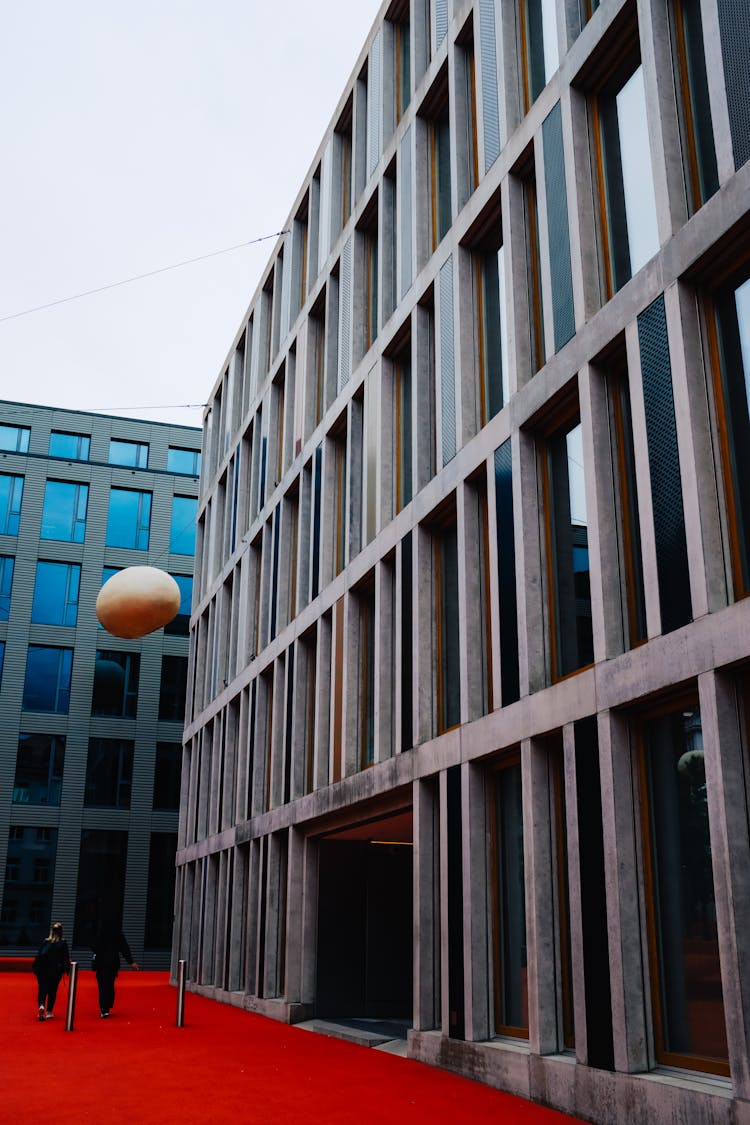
{"x":136,"y":135}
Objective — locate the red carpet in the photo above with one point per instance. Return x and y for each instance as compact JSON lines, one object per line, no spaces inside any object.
{"x":224,"y":1066}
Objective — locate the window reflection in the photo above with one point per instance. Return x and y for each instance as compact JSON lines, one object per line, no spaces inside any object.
{"x":116,"y":677}
{"x":70,"y":447}
{"x":109,"y":772}
{"x":511,"y":980}
{"x":689,"y":1006}
{"x":182,"y":532}
{"x":56,"y":593}
{"x":14,"y":439}
{"x":48,"y":675}
{"x":7,"y":563}
{"x":64,"y":511}
{"x":39,"y":769}
{"x":132,"y":454}
{"x":11,"y":495}
{"x":129,"y":519}
{"x":29,"y":880}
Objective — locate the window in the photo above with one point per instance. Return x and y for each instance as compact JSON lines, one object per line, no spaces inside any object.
{"x":64,"y":511}
{"x":729,"y":340}
{"x":626,"y":504}
{"x":11,"y":495}
{"x":182,"y":531}
{"x":39,"y":769}
{"x":109,"y":773}
{"x":56,"y":593}
{"x":69,"y":447}
{"x":30,"y":865}
{"x":167,"y":769}
{"x":101,"y":878}
{"x":48,"y":675}
{"x":533,"y":269}
{"x":509,"y":929}
{"x":448,"y":646}
{"x":539,"y":53}
{"x":492,"y":336}
{"x":466,"y":110}
{"x":180,"y":625}
{"x":343,"y":155}
{"x":173,"y":688}
{"x":566,"y":535}
{"x":699,"y":154}
{"x":131,"y":454}
{"x":688,"y":1004}
{"x":160,"y":892}
{"x":7,"y":563}
{"x":186,"y":462}
{"x":129,"y":519}
{"x":366,"y":603}
{"x":14,"y":439}
{"x":2,"y":659}
{"x":116,"y":683}
{"x":338,"y":449}
{"x":401,"y":59}
{"x":629,"y":228}
{"x":370,"y":278}
{"x":440,"y":173}
{"x":402,"y":425}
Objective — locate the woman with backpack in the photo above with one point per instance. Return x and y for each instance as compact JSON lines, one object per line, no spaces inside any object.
{"x":50,"y":963}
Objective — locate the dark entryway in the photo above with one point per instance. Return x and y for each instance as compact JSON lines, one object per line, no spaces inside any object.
{"x":365,"y":922}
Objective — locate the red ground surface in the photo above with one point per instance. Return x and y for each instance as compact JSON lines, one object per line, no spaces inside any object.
{"x":224,"y":1065}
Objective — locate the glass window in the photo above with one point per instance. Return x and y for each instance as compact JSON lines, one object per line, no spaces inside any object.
{"x":448,"y":651}
{"x":492,"y":339}
{"x":7,"y":563}
{"x":64,"y":512}
{"x":402,"y":62}
{"x":132,"y":454}
{"x":129,"y":519}
{"x":173,"y":688}
{"x":689,"y":1022}
{"x":510,"y":977}
{"x":182,"y":531}
{"x":533,"y":270}
{"x":186,"y":462}
{"x":48,"y":675}
{"x":367,"y":678}
{"x":101,"y":880}
{"x":56,"y":593}
{"x":402,"y":426}
{"x":39,"y":769}
{"x":116,"y":677}
{"x":539,"y":52}
{"x":11,"y":495}
{"x":440,"y":174}
{"x":730,"y":337}
{"x":160,"y":893}
{"x":180,"y":625}
{"x":699,"y":154}
{"x":29,"y":881}
{"x":626,"y":501}
{"x":109,"y":772}
{"x":371,"y":284}
{"x":14,"y":439}
{"x":70,"y":447}
{"x":2,"y":659}
{"x":572,"y":645}
{"x":167,"y":768}
{"x":630,"y":229}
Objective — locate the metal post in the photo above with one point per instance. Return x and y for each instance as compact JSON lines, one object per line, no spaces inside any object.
{"x":181,"y":993}
{"x":72,"y":986}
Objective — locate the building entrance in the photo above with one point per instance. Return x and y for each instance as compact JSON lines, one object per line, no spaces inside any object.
{"x":364,"y":967}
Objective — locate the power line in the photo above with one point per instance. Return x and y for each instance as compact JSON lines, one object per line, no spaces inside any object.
{"x":140,"y":276}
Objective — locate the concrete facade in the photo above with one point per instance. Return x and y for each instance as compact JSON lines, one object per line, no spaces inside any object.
{"x":90,"y":765}
{"x":468,"y":691}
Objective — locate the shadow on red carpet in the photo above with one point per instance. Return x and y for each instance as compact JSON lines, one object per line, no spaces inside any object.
{"x":225,"y":1065}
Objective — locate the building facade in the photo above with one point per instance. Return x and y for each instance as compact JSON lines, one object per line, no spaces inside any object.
{"x":90,"y":745}
{"x":467,"y":735}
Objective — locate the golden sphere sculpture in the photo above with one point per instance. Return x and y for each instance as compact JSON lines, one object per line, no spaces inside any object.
{"x":137,"y":600}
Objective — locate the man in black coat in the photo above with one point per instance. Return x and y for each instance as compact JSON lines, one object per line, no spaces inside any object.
{"x":108,"y":945}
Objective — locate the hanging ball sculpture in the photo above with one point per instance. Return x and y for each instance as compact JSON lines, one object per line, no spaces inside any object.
{"x":137,"y":600}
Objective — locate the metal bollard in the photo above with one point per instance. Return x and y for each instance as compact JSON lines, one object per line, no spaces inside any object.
{"x":72,"y":986}
{"x":181,"y":993}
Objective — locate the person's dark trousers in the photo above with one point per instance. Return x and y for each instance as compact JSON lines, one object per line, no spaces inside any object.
{"x":46,"y":993}
{"x":106,"y":983}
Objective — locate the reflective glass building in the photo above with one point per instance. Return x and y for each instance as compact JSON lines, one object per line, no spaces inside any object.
{"x":90,"y":744}
{"x":468,"y":720}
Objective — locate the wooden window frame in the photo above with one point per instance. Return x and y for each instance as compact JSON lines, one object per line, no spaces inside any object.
{"x":507,"y":761}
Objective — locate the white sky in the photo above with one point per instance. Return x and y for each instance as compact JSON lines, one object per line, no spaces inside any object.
{"x":135,"y":135}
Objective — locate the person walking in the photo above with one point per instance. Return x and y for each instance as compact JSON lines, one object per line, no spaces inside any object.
{"x":51,"y":963}
{"x":108,"y":945}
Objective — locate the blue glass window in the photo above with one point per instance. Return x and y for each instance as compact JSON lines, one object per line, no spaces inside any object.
{"x":109,"y":772}
{"x":11,"y":495}
{"x":39,"y":769}
{"x":184,"y":461}
{"x":70,"y":447}
{"x":64,"y":512}
{"x":14,"y":439}
{"x":56,"y":593}
{"x":2,"y":659}
{"x":48,"y":674}
{"x":129,"y":518}
{"x":180,"y":625}
{"x":132,"y":454}
{"x":116,"y":676}
{"x":6,"y":582}
{"x":182,"y":533}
